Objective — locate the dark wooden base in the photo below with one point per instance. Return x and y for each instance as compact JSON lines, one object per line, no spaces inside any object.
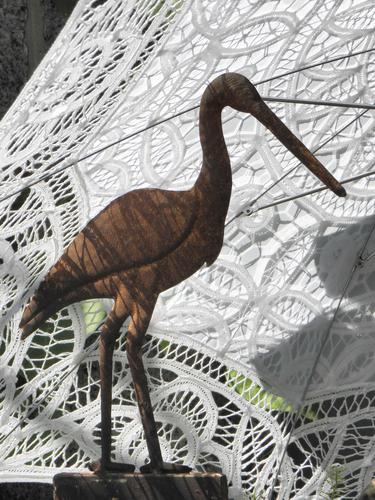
{"x":117,"y":486}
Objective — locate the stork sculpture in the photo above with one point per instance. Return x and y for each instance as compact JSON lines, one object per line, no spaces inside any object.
{"x":149,"y":240}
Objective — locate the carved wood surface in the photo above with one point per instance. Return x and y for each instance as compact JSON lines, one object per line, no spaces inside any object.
{"x":269,"y":298}
{"x":140,"y":487}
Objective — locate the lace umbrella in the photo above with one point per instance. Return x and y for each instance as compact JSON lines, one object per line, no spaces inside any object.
{"x":261,"y":365}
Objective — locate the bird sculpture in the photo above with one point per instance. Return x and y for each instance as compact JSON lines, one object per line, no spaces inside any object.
{"x":149,"y":240}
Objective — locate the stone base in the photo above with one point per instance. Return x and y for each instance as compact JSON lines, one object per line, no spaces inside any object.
{"x":136,"y":486}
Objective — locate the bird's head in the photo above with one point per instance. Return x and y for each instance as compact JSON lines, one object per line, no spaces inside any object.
{"x":236,"y":91}
{"x":242,"y":94}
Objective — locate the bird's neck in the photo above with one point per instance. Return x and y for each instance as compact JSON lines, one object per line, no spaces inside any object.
{"x":215,"y":178}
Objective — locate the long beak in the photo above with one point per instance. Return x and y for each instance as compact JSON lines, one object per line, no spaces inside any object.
{"x":263,"y":113}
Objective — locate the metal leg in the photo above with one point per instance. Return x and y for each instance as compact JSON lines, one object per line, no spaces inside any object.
{"x":110,"y":333}
{"x":144,"y":402}
{"x":106,"y":347}
{"x":137,"y":330}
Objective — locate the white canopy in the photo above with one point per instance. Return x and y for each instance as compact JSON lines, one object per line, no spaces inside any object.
{"x":261,"y":365}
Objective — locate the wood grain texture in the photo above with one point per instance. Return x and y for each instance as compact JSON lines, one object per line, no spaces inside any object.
{"x":195,"y":486}
{"x":150,"y":240}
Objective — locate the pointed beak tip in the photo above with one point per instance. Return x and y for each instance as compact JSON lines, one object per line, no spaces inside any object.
{"x":341,"y":192}
{"x":24,"y":334}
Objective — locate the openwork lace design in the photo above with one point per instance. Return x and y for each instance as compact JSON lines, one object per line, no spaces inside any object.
{"x":262,"y":365}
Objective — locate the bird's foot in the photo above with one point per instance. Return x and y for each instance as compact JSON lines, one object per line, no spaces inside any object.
{"x":100,"y":467}
{"x":165,"y":468}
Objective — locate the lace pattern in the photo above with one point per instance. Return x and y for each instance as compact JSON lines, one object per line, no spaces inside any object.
{"x":257,"y":366}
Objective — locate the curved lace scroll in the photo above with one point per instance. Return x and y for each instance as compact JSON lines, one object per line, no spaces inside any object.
{"x":238,"y":347}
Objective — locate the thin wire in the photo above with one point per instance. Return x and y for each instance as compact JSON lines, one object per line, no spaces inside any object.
{"x":313,"y":191}
{"x":320,"y":103}
{"x":320,"y":350}
{"x":315,"y":65}
{"x":89,"y":155}
{"x":291,"y":198}
{"x":255,"y":200}
{"x":159,"y":122}
{"x":153,"y":124}
{"x":48,"y":175}
{"x":37,"y":403}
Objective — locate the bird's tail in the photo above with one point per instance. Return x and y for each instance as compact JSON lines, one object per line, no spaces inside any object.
{"x":48,"y":299}
{"x":35,"y":314}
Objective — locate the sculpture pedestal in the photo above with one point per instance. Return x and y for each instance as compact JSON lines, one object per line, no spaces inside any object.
{"x":136,"y":486}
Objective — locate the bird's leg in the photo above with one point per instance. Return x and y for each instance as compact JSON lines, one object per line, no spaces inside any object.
{"x":133,"y":348}
{"x":110,"y":333}
{"x":136,"y":333}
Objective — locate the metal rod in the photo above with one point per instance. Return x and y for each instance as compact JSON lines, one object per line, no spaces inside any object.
{"x":320,"y":350}
{"x":314,"y":65}
{"x":89,"y":155}
{"x":320,"y":103}
{"x":312,"y":191}
{"x":252,"y":203}
{"x":159,"y":122}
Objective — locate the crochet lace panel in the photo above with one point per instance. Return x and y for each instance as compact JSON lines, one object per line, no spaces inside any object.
{"x":261,"y":365}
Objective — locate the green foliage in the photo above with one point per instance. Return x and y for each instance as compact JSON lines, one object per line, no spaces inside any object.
{"x":254,"y":393}
{"x":93,"y":315}
{"x":335,"y":480}
{"x":257,"y":496}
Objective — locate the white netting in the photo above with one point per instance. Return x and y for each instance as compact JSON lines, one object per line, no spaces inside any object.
{"x":233,"y":348}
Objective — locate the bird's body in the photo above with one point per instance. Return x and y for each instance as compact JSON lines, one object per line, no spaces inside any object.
{"x":145,"y":241}
{"x":149,"y":240}
{"x":175,"y":237}
{"x":173,"y":241}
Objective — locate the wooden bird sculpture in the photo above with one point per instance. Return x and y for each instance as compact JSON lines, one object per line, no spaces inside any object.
{"x":149,"y":240}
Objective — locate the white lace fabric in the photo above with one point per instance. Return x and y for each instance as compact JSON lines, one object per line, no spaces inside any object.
{"x":257,"y":366}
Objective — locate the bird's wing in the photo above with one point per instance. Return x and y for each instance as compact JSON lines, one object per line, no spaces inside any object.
{"x":138,"y":228}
